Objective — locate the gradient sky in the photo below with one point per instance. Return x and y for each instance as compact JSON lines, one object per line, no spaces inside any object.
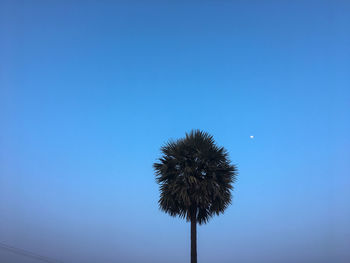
{"x":90,"y":90}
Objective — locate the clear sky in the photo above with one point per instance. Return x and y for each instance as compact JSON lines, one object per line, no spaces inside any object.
{"x":90,"y":90}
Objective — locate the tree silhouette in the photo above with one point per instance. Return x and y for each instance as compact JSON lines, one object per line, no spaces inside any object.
{"x":195,"y":178}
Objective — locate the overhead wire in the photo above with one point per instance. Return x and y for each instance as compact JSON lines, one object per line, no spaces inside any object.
{"x":28,"y":254}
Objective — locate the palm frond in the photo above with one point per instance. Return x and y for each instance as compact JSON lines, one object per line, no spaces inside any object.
{"x":195,"y":177}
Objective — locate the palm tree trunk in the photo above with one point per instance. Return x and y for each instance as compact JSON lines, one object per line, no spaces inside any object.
{"x":193,"y":240}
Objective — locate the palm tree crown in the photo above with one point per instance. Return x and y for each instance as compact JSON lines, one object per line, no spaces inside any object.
{"x":195,"y":177}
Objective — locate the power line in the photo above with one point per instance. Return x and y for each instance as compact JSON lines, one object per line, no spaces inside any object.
{"x":27,"y":253}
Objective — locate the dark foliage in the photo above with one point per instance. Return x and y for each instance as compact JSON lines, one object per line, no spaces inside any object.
{"x":195,"y":177}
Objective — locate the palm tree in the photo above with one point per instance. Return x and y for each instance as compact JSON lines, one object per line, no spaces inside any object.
{"x":195,"y":178}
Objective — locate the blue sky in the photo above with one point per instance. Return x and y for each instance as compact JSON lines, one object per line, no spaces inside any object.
{"x":89,"y":91}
